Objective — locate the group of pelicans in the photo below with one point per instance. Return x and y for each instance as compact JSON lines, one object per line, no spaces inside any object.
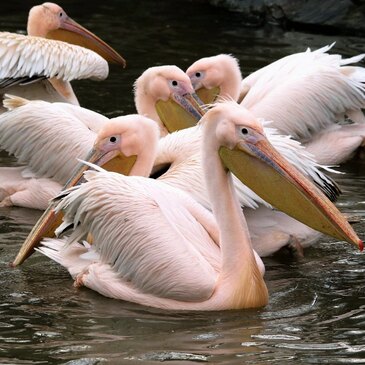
{"x":148,"y":207}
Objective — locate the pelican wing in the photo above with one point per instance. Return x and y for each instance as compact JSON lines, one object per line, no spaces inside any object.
{"x":274,"y":73}
{"x":146,"y":232}
{"x":26,"y":57}
{"x":306,"y":92}
{"x":45,"y":137}
{"x":22,"y":81}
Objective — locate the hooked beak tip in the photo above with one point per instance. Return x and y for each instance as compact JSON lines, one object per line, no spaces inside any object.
{"x":361,"y":245}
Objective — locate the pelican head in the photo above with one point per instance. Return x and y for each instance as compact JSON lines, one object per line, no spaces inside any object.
{"x":116,"y":148}
{"x":216,"y":76}
{"x":165,"y":94}
{"x":246,"y":152}
{"x":121,"y":141}
{"x":49,"y":20}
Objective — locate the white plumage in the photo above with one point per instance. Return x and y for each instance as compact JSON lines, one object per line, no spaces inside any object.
{"x":20,"y":187}
{"x":24,"y":56}
{"x":46,"y":137}
{"x":132,"y":219}
{"x":337,"y":143}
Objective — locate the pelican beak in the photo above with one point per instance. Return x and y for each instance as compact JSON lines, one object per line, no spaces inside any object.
{"x":74,"y":33}
{"x":45,"y":227}
{"x":208,"y":96}
{"x":180,"y":112}
{"x":114,"y":161}
{"x":284,"y":187}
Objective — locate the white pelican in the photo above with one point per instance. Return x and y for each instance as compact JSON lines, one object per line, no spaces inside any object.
{"x":53,"y":63}
{"x":270,"y":230}
{"x":303,"y":94}
{"x":51,"y":158}
{"x":166,"y":92}
{"x":155,"y":246}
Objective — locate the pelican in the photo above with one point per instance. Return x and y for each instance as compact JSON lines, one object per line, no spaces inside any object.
{"x":302,"y":94}
{"x":155,"y":246}
{"x":165,"y":94}
{"x":55,"y":51}
{"x":50,"y":158}
{"x":270,"y":230}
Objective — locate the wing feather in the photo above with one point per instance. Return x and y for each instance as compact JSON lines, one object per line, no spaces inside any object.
{"x":305,"y":92}
{"x":27,"y":56}
{"x":139,"y":227}
{"x":302,"y":106}
{"x":46,"y":138}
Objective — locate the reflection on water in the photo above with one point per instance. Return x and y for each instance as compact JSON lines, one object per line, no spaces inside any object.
{"x":316,"y":313}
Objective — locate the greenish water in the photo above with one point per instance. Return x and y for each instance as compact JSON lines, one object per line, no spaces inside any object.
{"x":316,"y":313}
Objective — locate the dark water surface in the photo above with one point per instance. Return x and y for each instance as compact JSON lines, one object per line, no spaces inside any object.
{"x":316,"y":313}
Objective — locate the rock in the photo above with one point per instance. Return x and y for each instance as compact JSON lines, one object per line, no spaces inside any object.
{"x":344,"y":16}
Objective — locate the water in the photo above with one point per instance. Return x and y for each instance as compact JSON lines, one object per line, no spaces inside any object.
{"x":316,"y":313}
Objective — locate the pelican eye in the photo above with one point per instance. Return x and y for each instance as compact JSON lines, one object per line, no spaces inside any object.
{"x":198,"y":74}
{"x":174,"y":83}
{"x":61,"y":14}
{"x":113,"y":139}
{"x":244,"y":131}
